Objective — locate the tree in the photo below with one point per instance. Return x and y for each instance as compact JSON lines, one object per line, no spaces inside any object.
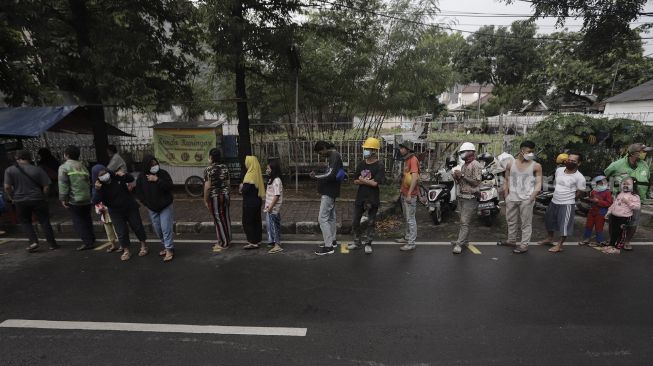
{"x":120,"y":52}
{"x":508,"y":59}
{"x":606,"y":23}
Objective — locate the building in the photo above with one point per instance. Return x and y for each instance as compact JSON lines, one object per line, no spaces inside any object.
{"x":636,"y":100}
{"x":461,"y":96}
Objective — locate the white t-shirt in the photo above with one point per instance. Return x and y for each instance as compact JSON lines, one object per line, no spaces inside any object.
{"x":566,"y":187}
{"x":274,"y":189}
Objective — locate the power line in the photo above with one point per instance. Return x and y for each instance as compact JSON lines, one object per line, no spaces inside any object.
{"x":447,"y":28}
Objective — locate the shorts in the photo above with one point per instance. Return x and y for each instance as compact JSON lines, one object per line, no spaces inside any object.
{"x":560,"y":218}
{"x":634,"y":220}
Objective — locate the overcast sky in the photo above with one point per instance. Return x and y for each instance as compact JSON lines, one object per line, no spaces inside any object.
{"x":546,"y":25}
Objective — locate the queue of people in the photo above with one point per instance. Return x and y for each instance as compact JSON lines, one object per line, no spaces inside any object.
{"x":115,"y":195}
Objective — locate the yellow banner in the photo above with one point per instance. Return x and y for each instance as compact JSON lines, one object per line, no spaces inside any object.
{"x":184,"y":147}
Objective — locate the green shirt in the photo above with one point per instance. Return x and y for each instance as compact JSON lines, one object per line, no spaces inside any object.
{"x":621,"y":168}
{"x":74,"y":183}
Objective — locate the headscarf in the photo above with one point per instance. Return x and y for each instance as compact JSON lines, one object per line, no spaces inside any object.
{"x":254,"y":175}
{"x":95,"y":171}
{"x":147,"y":161}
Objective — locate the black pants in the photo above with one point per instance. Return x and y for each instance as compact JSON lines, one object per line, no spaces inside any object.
{"x":24,"y":211}
{"x":252,"y":224}
{"x":83,"y":223}
{"x":122,"y":218}
{"x":617,"y":233}
{"x":359,"y":209}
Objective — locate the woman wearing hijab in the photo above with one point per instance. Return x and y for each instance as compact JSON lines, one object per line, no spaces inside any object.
{"x":102,"y":210}
{"x":253,"y":191}
{"x":111,"y":189}
{"x":154,"y":190}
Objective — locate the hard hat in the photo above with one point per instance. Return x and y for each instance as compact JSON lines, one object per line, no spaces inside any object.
{"x":409,"y":145}
{"x":372,"y":143}
{"x":562,"y":158}
{"x":467,"y":146}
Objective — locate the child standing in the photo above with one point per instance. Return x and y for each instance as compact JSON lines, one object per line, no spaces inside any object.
{"x":600,"y":199}
{"x":620,"y":213}
{"x":273,"y":200}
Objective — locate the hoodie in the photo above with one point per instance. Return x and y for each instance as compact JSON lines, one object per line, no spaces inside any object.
{"x":156,"y":196}
{"x":74,"y":187}
{"x":114,"y":194}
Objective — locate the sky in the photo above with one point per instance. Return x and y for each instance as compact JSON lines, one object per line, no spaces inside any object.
{"x":546,"y":25}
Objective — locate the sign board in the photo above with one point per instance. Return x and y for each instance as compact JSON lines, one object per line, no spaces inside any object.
{"x":184,"y":147}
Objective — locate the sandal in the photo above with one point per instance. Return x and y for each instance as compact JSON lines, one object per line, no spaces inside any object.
{"x":275,"y":249}
{"x":250,"y":246}
{"x":217,"y":248}
{"x":611,"y":250}
{"x":520,"y":249}
{"x":169,"y":255}
{"x":628,"y":247}
{"x":143,"y":252}
{"x":556,"y":249}
{"x":162,"y":253}
{"x":125,"y":255}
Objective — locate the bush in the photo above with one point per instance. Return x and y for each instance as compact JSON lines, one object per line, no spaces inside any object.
{"x":600,"y":140}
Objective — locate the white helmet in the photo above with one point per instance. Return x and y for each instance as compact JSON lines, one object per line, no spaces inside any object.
{"x":467,"y":146}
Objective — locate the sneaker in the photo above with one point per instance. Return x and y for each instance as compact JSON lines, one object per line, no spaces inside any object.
{"x":457,"y":249}
{"x":407,"y":247}
{"x":368,"y":249}
{"x":324,"y":250}
{"x":33,"y":247}
{"x":401,"y":241}
{"x":335,"y":244}
{"x":353,"y":246}
{"x":520,"y":249}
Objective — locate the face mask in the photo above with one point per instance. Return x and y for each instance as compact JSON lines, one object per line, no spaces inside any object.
{"x":529,"y":156}
{"x":601,"y":188}
{"x":571,"y":166}
{"x":642,"y":155}
{"x":105,"y":177}
{"x":154,"y":169}
{"x":367,"y":153}
{"x":464,"y":155}
{"x":268,"y":171}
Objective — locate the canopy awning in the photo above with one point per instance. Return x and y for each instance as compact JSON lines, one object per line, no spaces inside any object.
{"x":34,"y":121}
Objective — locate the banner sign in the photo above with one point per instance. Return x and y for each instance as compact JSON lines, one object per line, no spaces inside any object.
{"x":184,"y":147}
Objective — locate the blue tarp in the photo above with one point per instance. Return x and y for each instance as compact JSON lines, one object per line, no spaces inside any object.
{"x":34,"y":121}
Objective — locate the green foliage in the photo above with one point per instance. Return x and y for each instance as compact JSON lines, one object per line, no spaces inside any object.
{"x":600,"y":140}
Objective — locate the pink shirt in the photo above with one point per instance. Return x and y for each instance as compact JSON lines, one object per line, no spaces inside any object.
{"x":624,"y":205}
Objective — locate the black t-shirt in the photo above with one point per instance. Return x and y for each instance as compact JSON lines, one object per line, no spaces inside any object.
{"x":374,"y":171}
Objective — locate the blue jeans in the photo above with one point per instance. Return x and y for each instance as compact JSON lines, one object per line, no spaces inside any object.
{"x":274,"y":227}
{"x":163,"y":224}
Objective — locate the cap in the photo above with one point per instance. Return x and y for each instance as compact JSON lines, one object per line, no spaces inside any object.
{"x":598,"y":178}
{"x":635,"y":148}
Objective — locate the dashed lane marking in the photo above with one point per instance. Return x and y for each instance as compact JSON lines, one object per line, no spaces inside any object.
{"x":473,"y":249}
{"x":318,"y":242}
{"x":154,"y":328}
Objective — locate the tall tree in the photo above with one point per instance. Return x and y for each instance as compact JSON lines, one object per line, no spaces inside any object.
{"x":121,"y":52}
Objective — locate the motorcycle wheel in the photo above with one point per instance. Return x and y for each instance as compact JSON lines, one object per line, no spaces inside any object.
{"x":436,"y":216}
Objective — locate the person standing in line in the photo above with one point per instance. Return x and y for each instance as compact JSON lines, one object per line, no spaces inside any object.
{"x":116,"y":162}
{"x":154,"y":190}
{"x":468,"y":180}
{"x":105,"y":218}
{"x":559,"y":217}
{"x":253,"y":191}
{"x":216,"y":199}
{"x":273,"y":201}
{"x":328,"y":185}
{"x":370,"y":173}
{"x":523,"y":182}
{"x":409,"y":193}
{"x":50,"y":164}
{"x":620,"y":213}
{"x":600,"y":200}
{"x":75,"y":195}
{"x":111,"y":189}
{"x":27,"y":187}
{"x":632,"y":165}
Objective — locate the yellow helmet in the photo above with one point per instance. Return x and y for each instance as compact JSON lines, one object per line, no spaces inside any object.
{"x":372,"y":143}
{"x":562,"y":158}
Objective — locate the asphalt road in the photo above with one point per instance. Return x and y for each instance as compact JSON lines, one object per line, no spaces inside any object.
{"x":427,"y":307}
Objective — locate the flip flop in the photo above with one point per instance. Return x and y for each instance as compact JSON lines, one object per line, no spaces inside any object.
{"x":143,"y":252}
{"x":275,"y":249}
{"x":556,"y":249}
{"x":217,"y":248}
{"x":125,"y":256}
{"x":162,"y":253}
{"x":168,"y":257}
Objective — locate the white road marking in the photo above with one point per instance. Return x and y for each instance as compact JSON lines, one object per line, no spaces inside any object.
{"x":318,"y":242}
{"x":155,"y":328}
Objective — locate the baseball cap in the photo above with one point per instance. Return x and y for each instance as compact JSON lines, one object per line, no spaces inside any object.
{"x":635,"y":148}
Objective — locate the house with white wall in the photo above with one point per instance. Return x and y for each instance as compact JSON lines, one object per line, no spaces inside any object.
{"x":636,"y":100}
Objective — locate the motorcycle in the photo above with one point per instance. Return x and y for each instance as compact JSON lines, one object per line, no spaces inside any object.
{"x":440,"y":198}
{"x":488,"y":198}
